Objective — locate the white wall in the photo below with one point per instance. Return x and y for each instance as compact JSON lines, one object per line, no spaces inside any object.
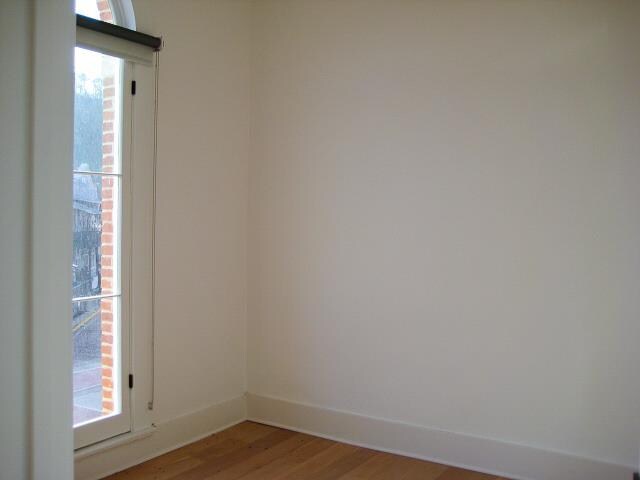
{"x":51,"y":241}
{"x":15,"y":74}
{"x":443,"y":216}
{"x":202,"y":201}
{"x":36,"y":139}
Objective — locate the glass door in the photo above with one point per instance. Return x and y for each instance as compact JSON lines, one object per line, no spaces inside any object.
{"x":101,"y":356}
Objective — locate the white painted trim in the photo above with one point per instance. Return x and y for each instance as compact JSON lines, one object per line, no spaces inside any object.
{"x":168,"y":435}
{"x":494,"y":457}
{"x":141,"y":161}
{"x":51,"y":452}
{"x":123,"y":13}
{"x":112,"y":443}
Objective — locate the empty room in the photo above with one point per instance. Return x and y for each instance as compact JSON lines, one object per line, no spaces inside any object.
{"x":319,"y":239}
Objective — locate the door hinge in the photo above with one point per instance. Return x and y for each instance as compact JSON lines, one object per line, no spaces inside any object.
{"x":130,"y":380}
{"x":133,"y":87}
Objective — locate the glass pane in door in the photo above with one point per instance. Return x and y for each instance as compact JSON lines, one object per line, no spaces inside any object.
{"x":97,"y":208}
{"x":93,"y":397}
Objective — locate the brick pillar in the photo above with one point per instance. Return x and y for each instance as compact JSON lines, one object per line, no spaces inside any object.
{"x":105,"y":11}
{"x":107,"y":240}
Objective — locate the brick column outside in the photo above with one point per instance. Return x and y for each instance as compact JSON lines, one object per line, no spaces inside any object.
{"x":105,"y":11}
{"x":107,"y":240}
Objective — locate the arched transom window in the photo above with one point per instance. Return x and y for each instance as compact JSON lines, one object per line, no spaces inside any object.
{"x":118,"y":12}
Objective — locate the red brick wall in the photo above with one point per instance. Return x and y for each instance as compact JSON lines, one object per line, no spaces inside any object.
{"x":105,"y":11}
{"x":107,"y":245}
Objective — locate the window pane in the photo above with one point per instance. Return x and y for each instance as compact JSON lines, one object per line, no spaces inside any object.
{"x":95,"y":383}
{"x":96,"y":202}
{"x":98,"y":112}
{"x":98,"y":9}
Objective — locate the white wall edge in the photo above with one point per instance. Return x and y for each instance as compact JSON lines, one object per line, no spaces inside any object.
{"x":51,"y":451}
{"x":167,"y":436}
{"x":494,"y":457}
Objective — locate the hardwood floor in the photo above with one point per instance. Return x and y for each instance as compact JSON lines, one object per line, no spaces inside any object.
{"x":252,"y":451}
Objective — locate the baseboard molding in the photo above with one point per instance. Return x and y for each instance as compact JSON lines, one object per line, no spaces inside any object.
{"x":484,"y":455}
{"x":167,"y":436}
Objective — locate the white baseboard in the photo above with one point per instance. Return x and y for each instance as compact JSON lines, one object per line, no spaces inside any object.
{"x":475,"y":453}
{"x":166,"y":436}
{"x":485,"y":455}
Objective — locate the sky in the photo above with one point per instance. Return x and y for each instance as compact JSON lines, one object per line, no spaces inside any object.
{"x":88,"y":8}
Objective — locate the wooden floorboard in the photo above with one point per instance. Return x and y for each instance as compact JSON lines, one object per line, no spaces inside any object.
{"x":252,"y":451}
